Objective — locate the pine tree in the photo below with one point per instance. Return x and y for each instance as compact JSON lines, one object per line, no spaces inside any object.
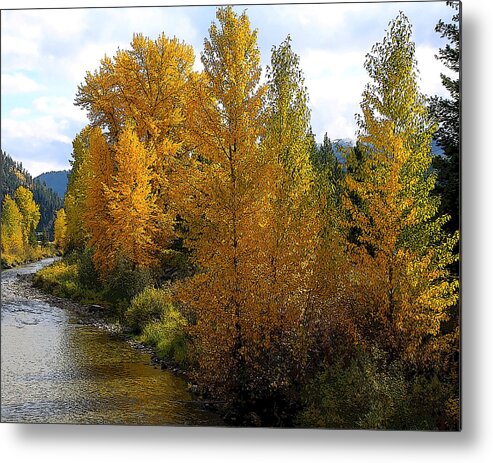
{"x":447,"y":112}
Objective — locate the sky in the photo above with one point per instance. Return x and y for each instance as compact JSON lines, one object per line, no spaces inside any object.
{"x":46,"y":53}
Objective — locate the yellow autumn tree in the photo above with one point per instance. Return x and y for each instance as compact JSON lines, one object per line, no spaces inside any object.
{"x":75,"y":197}
{"x":131,"y":204}
{"x":146,"y":84}
{"x":12,"y":234}
{"x":290,"y":228}
{"x":224,"y":182}
{"x":30,"y":215}
{"x":403,"y":289}
{"x":60,"y":229}
{"x":97,"y":221}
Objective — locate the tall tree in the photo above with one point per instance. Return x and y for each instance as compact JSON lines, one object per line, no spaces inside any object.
{"x":225,"y":182}
{"x":60,"y":229}
{"x":147,"y":84}
{"x":30,"y":214}
{"x":130,"y":203}
{"x":290,"y":227}
{"x":447,"y":112}
{"x":12,"y":233}
{"x":75,"y":197}
{"x":96,"y":216}
{"x":401,"y":251}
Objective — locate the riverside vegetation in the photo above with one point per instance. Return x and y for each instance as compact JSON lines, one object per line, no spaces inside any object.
{"x":20,"y":217}
{"x":295,"y":289}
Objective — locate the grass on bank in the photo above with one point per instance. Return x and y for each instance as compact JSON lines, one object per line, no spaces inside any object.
{"x":152,"y":314}
{"x":62,"y":279}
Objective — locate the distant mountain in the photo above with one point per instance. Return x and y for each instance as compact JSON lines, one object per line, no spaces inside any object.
{"x":14,"y":175}
{"x":56,"y":180}
{"x":340,"y":147}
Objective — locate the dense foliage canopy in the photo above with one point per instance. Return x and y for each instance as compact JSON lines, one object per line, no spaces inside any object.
{"x":297,"y":282}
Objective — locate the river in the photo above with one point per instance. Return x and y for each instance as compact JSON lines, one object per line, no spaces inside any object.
{"x":57,"y":368}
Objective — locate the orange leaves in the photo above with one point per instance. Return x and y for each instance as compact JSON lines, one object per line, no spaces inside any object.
{"x":226,"y":184}
{"x":138,"y":96}
{"x":96,"y":216}
{"x":145,"y":83}
{"x":131,"y":205}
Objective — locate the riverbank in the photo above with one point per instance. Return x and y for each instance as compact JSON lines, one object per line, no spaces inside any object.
{"x":60,"y":285}
{"x":65,"y":362}
{"x":8,"y":262}
{"x":98,"y":316}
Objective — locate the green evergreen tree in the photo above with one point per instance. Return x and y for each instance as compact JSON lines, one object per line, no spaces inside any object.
{"x":447,"y":112}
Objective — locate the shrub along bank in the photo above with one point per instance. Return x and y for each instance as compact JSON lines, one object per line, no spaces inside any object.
{"x":141,"y":309}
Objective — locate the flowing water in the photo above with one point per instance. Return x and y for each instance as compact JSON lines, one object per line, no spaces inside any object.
{"x":57,"y":369}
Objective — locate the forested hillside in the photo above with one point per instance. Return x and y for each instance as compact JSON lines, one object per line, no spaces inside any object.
{"x":15,"y":175}
{"x":55,"y":180}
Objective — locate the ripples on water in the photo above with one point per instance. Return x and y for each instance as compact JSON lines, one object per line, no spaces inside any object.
{"x":57,"y":370}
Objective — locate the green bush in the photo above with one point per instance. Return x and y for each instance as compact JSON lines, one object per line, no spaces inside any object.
{"x":88,"y":276}
{"x":148,"y":306}
{"x":126,"y":281}
{"x":169,"y":338}
{"x":371,"y":393}
{"x":364,"y":394}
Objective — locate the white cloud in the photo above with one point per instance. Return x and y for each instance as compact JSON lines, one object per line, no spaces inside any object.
{"x":335,"y":81}
{"x":18,"y":83}
{"x":430,"y":69}
{"x":36,"y":167}
{"x":61,"y":108}
{"x":20,"y":112}
{"x":38,"y":129}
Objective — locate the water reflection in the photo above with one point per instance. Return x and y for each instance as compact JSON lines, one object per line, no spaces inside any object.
{"x":57,"y":370}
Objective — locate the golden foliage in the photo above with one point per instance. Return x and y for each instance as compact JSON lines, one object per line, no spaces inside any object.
{"x":12,"y":232}
{"x":60,"y":229}
{"x":399,"y":251}
{"x":96,"y":216}
{"x":30,"y":214}
{"x":130,"y":204}
{"x":225,"y":179}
